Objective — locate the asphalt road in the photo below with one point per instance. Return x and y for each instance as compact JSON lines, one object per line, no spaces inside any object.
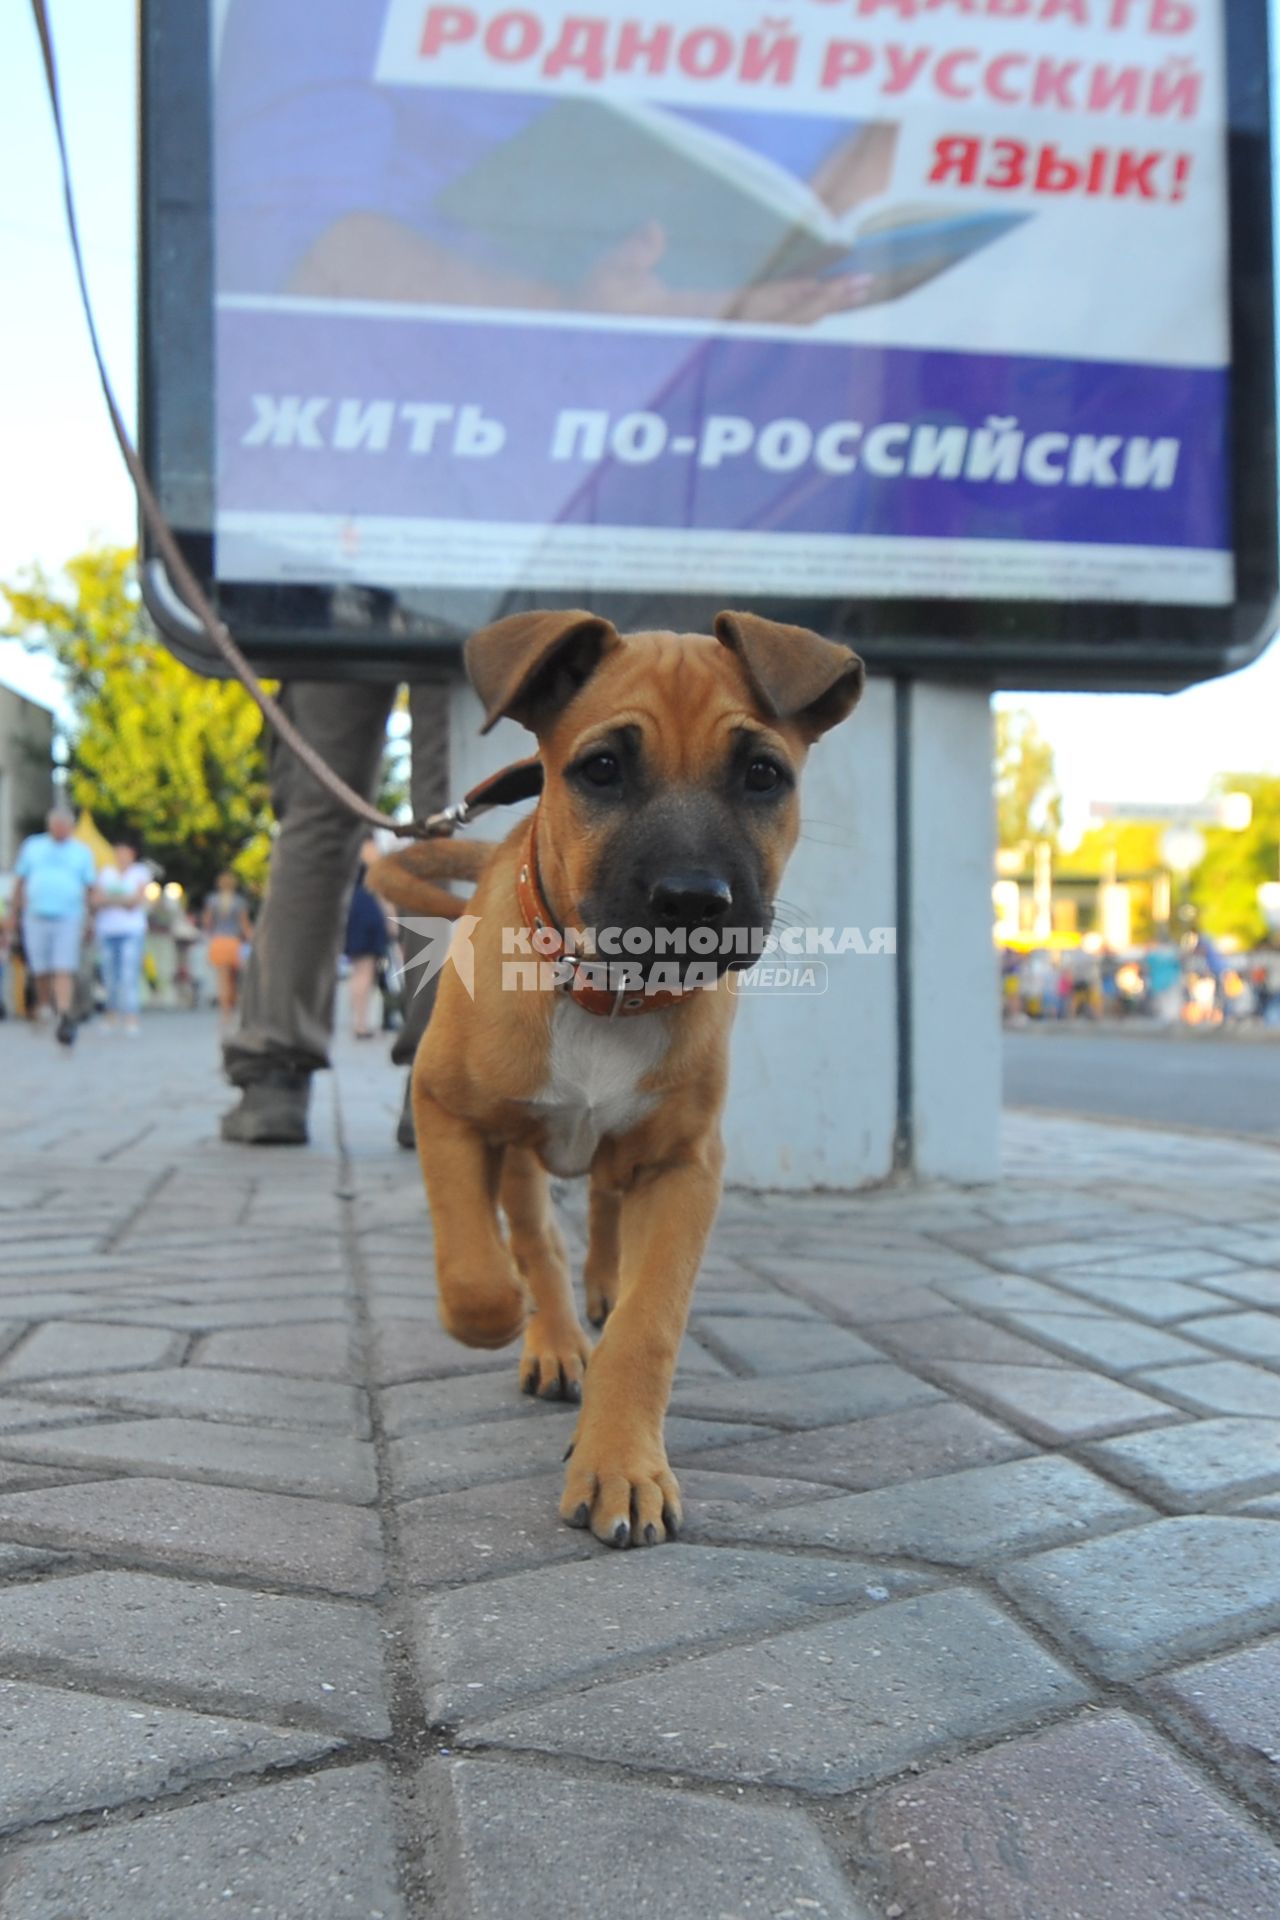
{"x":1225,"y":1086}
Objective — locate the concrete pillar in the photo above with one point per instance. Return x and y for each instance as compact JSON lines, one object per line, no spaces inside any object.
{"x":893,"y":1064}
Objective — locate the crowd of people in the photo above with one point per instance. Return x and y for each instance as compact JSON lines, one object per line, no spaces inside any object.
{"x":79,"y":931}
{"x":1193,"y":983}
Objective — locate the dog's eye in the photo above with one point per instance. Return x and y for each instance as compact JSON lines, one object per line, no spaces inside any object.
{"x":764,"y":776}
{"x":601,"y":770}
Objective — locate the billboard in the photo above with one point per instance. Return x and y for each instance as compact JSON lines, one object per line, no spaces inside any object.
{"x":917,"y":315}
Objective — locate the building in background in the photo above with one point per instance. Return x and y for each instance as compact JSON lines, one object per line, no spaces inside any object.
{"x":26,"y":770}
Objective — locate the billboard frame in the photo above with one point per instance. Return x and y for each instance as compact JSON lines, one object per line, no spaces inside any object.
{"x":350,"y":631}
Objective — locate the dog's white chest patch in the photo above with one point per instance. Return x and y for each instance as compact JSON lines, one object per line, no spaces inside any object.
{"x":594,"y":1084}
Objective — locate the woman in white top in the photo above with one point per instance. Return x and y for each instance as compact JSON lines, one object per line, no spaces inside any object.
{"x":120,"y":896}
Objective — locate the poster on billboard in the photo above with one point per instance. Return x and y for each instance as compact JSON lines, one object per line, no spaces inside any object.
{"x":927,"y":295}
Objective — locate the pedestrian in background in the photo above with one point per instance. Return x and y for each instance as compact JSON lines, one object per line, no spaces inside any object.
{"x":121,"y":896}
{"x":55,"y":875}
{"x":227,"y":923}
{"x":286,"y":1019}
{"x":365,"y":945}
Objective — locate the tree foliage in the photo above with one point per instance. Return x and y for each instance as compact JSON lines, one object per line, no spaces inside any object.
{"x":1028,"y":803}
{"x":1224,"y":887}
{"x":171,"y":759}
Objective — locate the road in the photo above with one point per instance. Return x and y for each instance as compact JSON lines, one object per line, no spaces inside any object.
{"x":1226,"y":1086}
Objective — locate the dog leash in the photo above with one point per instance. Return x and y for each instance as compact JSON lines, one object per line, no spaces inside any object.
{"x":513,"y":783}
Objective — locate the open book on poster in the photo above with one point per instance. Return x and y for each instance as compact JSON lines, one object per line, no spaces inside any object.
{"x":584,"y":174}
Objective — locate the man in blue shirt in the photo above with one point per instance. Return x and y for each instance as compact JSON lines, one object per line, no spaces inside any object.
{"x":55,"y":876}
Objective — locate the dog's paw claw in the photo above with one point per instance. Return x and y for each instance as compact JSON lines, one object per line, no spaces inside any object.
{"x":552,"y":1363}
{"x":624,"y":1506}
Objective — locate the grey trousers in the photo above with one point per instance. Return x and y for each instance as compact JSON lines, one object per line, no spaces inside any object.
{"x":287,"y":994}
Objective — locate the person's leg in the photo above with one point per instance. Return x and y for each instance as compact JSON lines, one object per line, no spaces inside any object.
{"x":363,"y":968}
{"x":287,"y":992}
{"x":37,"y":945}
{"x":65,"y":944}
{"x":112,"y":971}
{"x":428,"y":792}
{"x":129,"y":978}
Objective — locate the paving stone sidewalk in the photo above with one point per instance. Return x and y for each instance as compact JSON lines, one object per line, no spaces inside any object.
{"x":976,"y":1616}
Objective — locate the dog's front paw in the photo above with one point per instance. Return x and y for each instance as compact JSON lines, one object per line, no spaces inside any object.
{"x":484,"y":1307}
{"x":554,"y":1358}
{"x":622,"y":1488}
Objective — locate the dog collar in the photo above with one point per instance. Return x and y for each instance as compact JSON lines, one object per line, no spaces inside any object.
{"x":614,"y":1004}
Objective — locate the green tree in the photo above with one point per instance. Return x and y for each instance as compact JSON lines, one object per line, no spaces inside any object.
{"x":1028,"y":803}
{"x":1224,"y":887}
{"x":171,"y":758}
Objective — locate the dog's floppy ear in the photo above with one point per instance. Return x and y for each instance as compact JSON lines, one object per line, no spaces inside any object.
{"x":530,"y":665}
{"x":796,"y":675}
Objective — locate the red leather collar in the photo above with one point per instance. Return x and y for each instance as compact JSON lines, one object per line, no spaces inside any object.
{"x":582,"y":989}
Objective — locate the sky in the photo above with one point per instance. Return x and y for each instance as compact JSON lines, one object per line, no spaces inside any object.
{"x":65,"y":486}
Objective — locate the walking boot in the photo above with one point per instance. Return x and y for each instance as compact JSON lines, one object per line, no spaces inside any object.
{"x":405,"y":1135}
{"x":272,"y":1111}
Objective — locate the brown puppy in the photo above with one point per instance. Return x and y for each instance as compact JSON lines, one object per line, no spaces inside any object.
{"x":669,"y":808}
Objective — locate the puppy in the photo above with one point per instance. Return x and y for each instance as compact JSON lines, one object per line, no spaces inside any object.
{"x":669,"y":807}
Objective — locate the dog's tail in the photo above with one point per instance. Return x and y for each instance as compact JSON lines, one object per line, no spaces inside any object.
{"x":408,"y":878}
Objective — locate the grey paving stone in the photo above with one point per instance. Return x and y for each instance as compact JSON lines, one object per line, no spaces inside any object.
{"x":823,"y":1708}
{"x":762,"y":1301}
{"x":80,"y":1346}
{"x":275,"y":1459}
{"x":694,"y":1362}
{"x":879,"y":1452}
{"x":476,"y":1532}
{"x":63,"y":1753}
{"x":717,"y":1859}
{"x":958,"y":1336}
{"x":1137,"y":1601}
{"x":324,"y":1294}
{"x":464,"y":1400}
{"x":1171,"y":1263}
{"x":504,"y":1526}
{"x":320,"y":1351}
{"x":960,"y":1519}
{"x":310,"y":1849}
{"x":1095,"y":1820}
{"x":1008,"y":1293}
{"x":1055,"y":1404}
{"x":775,"y":1346}
{"x":1250,"y":1286}
{"x":419,"y":1349}
{"x":1230,"y":1710}
{"x":22,"y":1560}
{"x":476,"y":1652}
{"x":214,"y":1648}
{"x":1116,"y":1256}
{"x":869,"y":1307}
{"x":1254,"y":1336}
{"x":20,"y":1416}
{"x":204,"y":1316}
{"x":441,"y":1459}
{"x":28,"y":1303}
{"x":814,"y":1400}
{"x":1159,"y":1301}
{"x":1199,"y":1464}
{"x":199,"y":1529}
{"x":1108,"y":1340}
{"x":210,"y":1393}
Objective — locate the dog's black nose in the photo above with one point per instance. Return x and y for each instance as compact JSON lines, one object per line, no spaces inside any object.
{"x":690,"y":899}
